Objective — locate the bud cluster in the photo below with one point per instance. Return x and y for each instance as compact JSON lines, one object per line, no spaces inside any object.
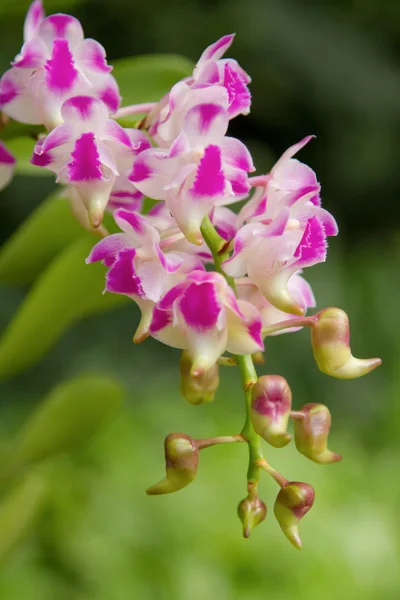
{"x":207,"y":279}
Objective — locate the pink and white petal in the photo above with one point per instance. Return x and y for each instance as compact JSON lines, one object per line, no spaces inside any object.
{"x":209,"y":182}
{"x":225,"y":222}
{"x":85,"y":113}
{"x":205,"y":348}
{"x":85,"y":163}
{"x":238,"y":92}
{"x":109,"y":247}
{"x":246,"y":239}
{"x":313,"y":246}
{"x":92,"y":56}
{"x":125,"y":195}
{"x":205,"y":124}
{"x":122,"y":278}
{"x":244,"y":334}
{"x":293,"y":174}
{"x":200,"y":306}
{"x":139,"y":140}
{"x":236,"y":154}
{"x":60,"y":135}
{"x":255,"y":207}
{"x":33,"y":19}
{"x":276,"y":291}
{"x":217,"y":49}
{"x":289,"y":153}
{"x":188,"y":214}
{"x":155,"y":280}
{"x":32,"y":56}
{"x":239,"y":182}
{"x":160,"y":217}
{"x":61,"y":26}
{"x":206,"y":73}
{"x":151,"y":172}
{"x":170,"y":262}
{"x":7,"y":166}
{"x":16,"y":98}
{"x":301,"y":290}
{"x":113,"y":131}
{"x":179,"y":145}
{"x":61,"y":74}
{"x":162,"y":329}
{"x":180,"y":177}
{"x":137,"y":227}
{"x":95,"y":194}
{"x":325,"y":217}
{"x":107,"y":90}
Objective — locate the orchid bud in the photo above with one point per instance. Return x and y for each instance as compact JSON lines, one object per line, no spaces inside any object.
{"x":251,"y":511}
{"x":270,"y":409}
{"x":182,"y":460}
{"x":200,"y":389}
{"x":293,"y":501}
{"x":330,"y":336}
{"x":311,"y":432}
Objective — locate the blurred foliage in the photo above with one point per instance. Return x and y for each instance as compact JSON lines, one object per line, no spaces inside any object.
{"x":81,"y":526}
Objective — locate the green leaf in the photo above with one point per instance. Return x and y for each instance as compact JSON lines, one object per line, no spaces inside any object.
{"x":72,"y":413}
{"x":66,"y":291}
{"x":22,"y":148}
{"x":148,"y":78}
{"x":47,"y":231}
{"x":19,"y":511}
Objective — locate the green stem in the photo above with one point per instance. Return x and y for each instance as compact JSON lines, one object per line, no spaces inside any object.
{"x":216,"y":245}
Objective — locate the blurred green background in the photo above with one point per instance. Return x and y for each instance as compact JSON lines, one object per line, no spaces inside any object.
{"x":330,"y":68}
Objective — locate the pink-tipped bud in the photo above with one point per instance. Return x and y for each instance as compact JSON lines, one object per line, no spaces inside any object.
{"x":182,"y":461}
{"x":200,"y":389}
{"x":330,"y":337}
{"x":293,"y":501}
{"x":311,"y":430}
{"x":251,"y":511}
{"x":271,"y":402}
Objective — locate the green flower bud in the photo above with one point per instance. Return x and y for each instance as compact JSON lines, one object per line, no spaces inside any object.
{"x":293,"y":501}
{"x":330,"y":336}
{"x":200,"y":389}
{"x":182,"y":461}
{"x":311,"y":430}
{"x":271,"y":402}
{"x":251,"y":511}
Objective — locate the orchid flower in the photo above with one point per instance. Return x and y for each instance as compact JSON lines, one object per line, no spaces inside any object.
{"x":55,"y":63}
{"x":137,"y":265}
{"x":202,"y":315}
{"x":89,"y":151}
{"x":201,"y":169}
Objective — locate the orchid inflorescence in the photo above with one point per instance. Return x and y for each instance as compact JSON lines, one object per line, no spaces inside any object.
{"x":207,"y":279}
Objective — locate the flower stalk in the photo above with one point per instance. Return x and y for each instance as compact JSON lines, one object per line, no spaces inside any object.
{"x":248,"y":373}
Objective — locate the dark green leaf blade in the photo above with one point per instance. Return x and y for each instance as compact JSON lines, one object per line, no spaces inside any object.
{"x":72,"y":413}
{"x":66,"y":291}
{"x":47,"y":231}
{"x":19,"y":511}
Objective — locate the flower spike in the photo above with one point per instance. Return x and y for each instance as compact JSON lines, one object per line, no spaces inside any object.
{"x":311,"y":430}
{"x":330,"y":337}
{"x":182,"y":460}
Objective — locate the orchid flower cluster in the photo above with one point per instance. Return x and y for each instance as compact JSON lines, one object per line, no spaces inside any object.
{"x":213,"y":281}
